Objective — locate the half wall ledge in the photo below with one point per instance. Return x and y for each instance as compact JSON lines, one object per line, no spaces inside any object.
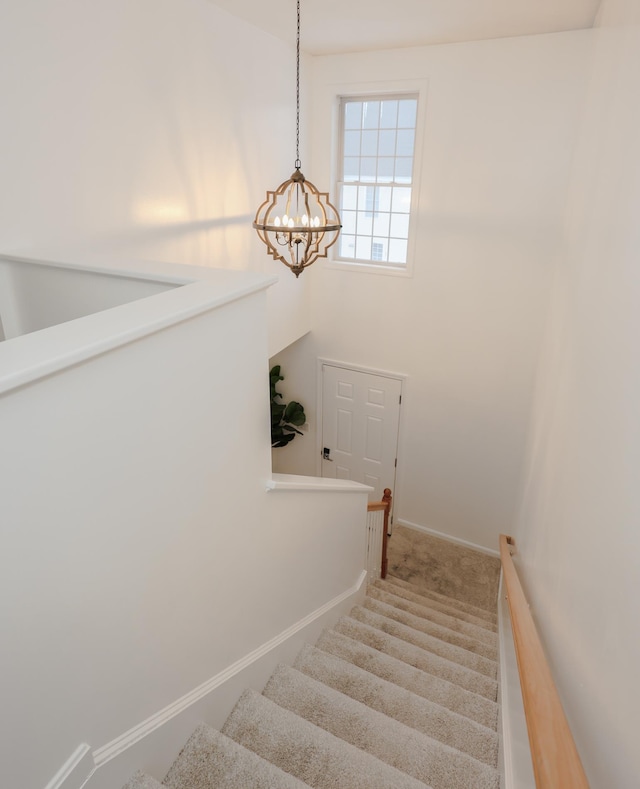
{"x":152,"y":297}
{"x":295,"y":482}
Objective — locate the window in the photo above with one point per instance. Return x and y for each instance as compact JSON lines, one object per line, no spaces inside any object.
{"x":377,"y":136}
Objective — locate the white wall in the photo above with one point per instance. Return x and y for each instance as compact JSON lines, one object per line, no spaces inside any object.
{"x":142,"y":555}
{"x":501,"y":120}
{"x":145,"y":130}
{"x":298,"y":366}
{"x":578,"y":533}
{"x":113,"y":517}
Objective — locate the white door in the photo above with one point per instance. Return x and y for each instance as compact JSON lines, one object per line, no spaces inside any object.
{"x":360,"y":419}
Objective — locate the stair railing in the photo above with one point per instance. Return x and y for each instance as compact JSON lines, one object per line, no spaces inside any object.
{"x":377,"y":535}
{"x":556,"y":762}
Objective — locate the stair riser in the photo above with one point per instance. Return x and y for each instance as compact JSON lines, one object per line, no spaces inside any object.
{"x":421,"y":591}
{"x":453,"y":622}
{"x":455,"y":698}
{"x":431,"y":628}
{"x":414,"y":656}
{"x":210,"y":760}
{"x":426,"y":642}
{"x":385,"y":697}
{"x":308,"y":752}
{"x":437,"y":765}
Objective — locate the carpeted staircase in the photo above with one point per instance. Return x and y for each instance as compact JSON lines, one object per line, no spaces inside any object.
{"x":401,"y":694}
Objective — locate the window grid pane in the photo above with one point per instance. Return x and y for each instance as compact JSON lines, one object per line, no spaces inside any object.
{"x":378,"y":142}
{"x":377,"y":250}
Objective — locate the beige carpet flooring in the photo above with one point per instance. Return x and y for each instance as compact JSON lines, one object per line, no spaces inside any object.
{"x":401,"y":693}
{"x":444,"y":567}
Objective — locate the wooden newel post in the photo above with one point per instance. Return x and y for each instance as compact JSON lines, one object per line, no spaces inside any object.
{"x":385,"y":531}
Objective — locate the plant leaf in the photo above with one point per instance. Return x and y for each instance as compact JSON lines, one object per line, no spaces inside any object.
{"x":294,"y":413}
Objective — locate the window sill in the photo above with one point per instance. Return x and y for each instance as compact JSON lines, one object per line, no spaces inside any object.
{"x":369,"y":268}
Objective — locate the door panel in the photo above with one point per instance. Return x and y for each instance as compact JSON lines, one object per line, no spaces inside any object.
{"x":344,"y":433}
{"x":374,"y":427}
{"x":360,"y":418}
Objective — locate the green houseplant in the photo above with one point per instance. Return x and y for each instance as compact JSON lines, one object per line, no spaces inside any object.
{"x":285,"y":417}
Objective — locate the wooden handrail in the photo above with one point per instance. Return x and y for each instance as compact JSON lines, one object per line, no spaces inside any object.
{"x":556,"y":762}
{"x":385,"y":505}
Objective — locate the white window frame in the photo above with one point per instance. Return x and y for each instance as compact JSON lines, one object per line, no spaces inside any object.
{"x":381,"y":90}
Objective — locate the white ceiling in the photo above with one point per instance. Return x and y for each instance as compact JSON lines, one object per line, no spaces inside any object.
{"x":331,"y":26}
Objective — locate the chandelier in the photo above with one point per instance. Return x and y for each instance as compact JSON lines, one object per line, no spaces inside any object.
{"x":297,"y":222}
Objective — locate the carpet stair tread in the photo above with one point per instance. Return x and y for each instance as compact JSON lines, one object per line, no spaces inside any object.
{"x":373,"y":732}
{"x":210,"y":760}
{"x":436,"y":601}
{"x":424,"y":591}
{"x":447,"y":694}
{"x":433,"y":720}
{"x":400,"y":693}
{"x":419,"y":607}
{"x":432,"y":628}
{"x":306,"y":751}
{"x":426,"y":642}
{"x":418,"y":657}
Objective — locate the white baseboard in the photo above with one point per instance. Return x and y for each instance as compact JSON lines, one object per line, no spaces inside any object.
{"x":448,"y":537}
{"x":152,"y":745}
{"x":73,"y":773}
{"x":515,"y":757}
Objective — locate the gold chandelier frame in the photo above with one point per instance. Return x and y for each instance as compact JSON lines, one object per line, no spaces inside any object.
{"x":297,"y":223}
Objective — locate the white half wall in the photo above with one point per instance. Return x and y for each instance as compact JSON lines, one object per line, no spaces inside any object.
{"x":578,"y":538}
{"x":117,"y":502}
{"x":466,"y":328}
{"x":34,"y":296}
{"x":145,"y":130}
{"x":143,"y":555}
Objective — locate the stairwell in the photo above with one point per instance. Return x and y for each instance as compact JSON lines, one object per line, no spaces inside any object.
{"x":401,"y":693}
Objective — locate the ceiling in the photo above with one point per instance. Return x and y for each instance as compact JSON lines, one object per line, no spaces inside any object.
{"x":333,"y":26}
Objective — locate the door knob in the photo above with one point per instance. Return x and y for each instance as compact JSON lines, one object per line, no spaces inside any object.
{"x":326,"y":452}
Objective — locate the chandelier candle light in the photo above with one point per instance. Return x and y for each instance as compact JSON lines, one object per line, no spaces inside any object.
{"x":296,"y":221}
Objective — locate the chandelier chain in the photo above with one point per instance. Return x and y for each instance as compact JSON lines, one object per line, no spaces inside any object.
{"x":298,"y":163}
{"x":297,"y":222}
